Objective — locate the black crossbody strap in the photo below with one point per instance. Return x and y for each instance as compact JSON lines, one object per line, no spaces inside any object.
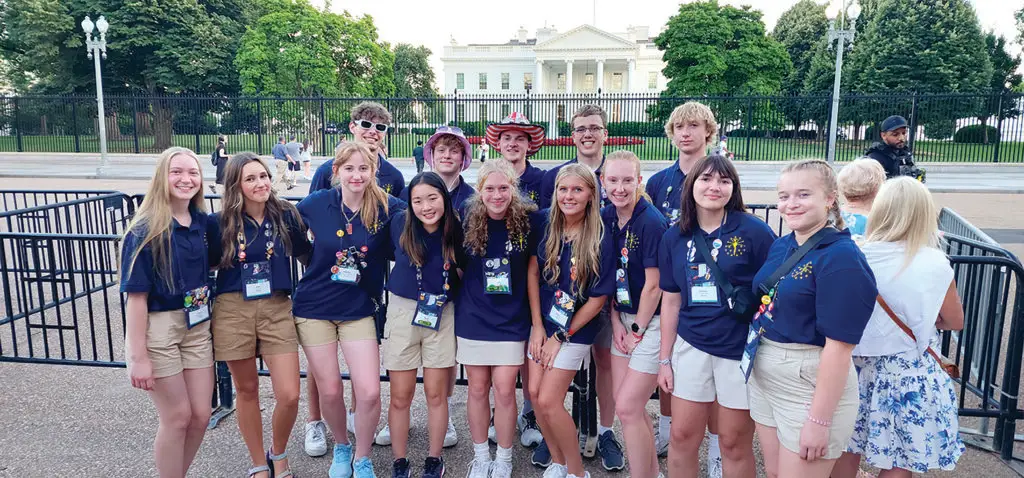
{"x":702,"y":246}
{"x":784,"y":269}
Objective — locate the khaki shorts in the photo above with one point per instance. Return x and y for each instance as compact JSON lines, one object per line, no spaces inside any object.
{"x":172,"y":347}
{"x":698,"y":376}
{"x":244,"y":328}
{"x":490,"y":354}
{"x":409,"y":347}
{"x":570,"y":356}
{"x":781,"y":388}
{"x":313,"y":332}
{"x":645,"y":355}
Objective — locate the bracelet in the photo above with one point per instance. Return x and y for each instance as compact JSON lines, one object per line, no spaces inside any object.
{"x":638,"y":336}
{"x":667,"y":361}
{"x":824,"y":423}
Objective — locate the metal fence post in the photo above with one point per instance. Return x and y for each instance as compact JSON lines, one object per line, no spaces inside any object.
{"x":913,"y":120}
{"x":259,"y":128}
{"x":747,"y":128}
{"x":323,"y":128}
{"x":135,"y":124}
{"x":74,"y":124}
{"x":198,"y":123}
{"x":387,"y":104}
{"x":17,"y":126}
{"x":999,"y":126}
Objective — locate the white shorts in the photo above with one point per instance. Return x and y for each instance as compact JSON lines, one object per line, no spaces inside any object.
{"x":570,"y":357}
{"x":645,"y":356}
{"x":698,"y":376}
{"x":489,"y":354}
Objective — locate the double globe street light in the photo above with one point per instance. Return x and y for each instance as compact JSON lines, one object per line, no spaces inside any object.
{"x":841,"y":32}
{"x":97,"y":47}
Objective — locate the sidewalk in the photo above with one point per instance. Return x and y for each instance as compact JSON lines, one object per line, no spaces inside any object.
{"x":763,"y":175}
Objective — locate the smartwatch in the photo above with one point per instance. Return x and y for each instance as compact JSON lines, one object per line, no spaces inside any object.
{"x":561,"y":336}
{"x":637,"y":330}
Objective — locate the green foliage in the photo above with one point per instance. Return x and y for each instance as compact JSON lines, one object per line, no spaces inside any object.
{"x":976,"y":134}
{"x":414,"y":78}
{"x":799,"y":30}
{"x":1004,"y":79}
{"x":939,"y":128}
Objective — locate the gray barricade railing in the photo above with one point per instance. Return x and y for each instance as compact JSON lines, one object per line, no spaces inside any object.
{"x":951,"y":222}
{"x":100,"y":214}
{"x":11,"y":199}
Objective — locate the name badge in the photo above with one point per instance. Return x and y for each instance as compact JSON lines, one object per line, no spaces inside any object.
{"x":428,"y":310}
{"x":256,"y":280}
{"x":673,"y":216}
{"x":197,"y":306}
{"x":497,"y":276}
{"x":622,"y":288}
{"x":703,"y":290}
{"x":562,"y":309}
{"x":345,"y":275}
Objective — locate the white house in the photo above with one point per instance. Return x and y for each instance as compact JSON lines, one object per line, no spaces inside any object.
{"x":583,"y":61}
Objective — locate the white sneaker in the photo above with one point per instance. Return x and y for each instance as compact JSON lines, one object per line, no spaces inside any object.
{"x":492,"y":434}
{"x":383,"y":437}
{"x":316,"y":438}
{"x":501,"y":469}
{"x":529,"y":434}
{"x":451,"y":437}
{"x":715,"y":467}
{"x":479,"y":468}
{"x":660,"y":443}
{"x":350,"y":422}
{"x":555,"y":470}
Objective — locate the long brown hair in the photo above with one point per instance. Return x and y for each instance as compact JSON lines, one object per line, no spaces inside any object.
{"x":517,"y":216}
{"x":708,"y":165}
{"x":411,"y":240}
{"x":154,"y":219}
{"x":232,"y":215}
{"x":586,"y":250}
{"x":374,"y":198}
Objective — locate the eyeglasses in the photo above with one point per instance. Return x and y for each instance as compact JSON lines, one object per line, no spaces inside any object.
{"x":589,"y":129}
{"x":382,"y":127}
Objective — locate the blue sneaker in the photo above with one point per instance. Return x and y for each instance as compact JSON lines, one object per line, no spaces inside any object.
{"x":433,"y":467}
{"x":610,"y":451}
{"x":363,"y":468}
{"x":341,"y":464}
{"x":541,"y":455}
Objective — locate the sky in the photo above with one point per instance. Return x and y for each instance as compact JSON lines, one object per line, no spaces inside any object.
{"x":434,"y":24}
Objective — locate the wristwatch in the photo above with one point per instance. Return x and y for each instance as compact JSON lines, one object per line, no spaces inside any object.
{"x":667,"y":361}
{"x":561,"y":336}
{"x":637,"y":330}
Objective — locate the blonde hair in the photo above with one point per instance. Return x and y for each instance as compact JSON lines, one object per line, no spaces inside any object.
{"x":861,"y":179}
{"x":153,"y":219}
{"x":625,"y":155}
{"x":586,"y":250}
{"x":692,"y":110}
{"x":828,"y":181}
{"x":904,"y":211}
{"x":517,"y":216}
{"x":374,"y":197}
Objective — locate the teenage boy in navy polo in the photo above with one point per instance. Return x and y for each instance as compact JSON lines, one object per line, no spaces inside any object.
{"x":517,"y":139}
{"x":589,"y":133}
{"x":690,"y":128}
{"x":369,"y":126}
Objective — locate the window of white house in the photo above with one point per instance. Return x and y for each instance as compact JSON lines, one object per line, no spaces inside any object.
{"x":528,"y":81}
{"x":483,"y":81}
{"x":560,"y":113}
{"x":616,"y":81}
{"x":504,"y":81}
{"x":652,"y":80}
{"x":588,"y":82}
{"x":460,"y":81}
{"x":561,"y":82}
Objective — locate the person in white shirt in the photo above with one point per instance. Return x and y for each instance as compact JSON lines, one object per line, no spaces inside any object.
{"x":907,"y":420}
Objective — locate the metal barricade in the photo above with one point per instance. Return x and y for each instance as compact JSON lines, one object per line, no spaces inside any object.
{"x":104,"y":214}
{"x":11,"y":199}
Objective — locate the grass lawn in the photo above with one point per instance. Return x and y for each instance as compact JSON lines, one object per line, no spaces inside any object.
{"x":401,"y":146}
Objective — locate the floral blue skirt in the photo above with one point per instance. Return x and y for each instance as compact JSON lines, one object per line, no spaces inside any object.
{"x":908,"y":414}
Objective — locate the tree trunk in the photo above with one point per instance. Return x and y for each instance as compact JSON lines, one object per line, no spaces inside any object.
{"x":42,"y":126}
{"x":984,"y":130}
{"x":113,"y":129}
{"x":143,"y":124}
{"x":856,"y":130}
{"x":163,"y":125}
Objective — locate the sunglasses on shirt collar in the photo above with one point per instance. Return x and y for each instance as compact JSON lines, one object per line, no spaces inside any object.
{"x":365,"y":124}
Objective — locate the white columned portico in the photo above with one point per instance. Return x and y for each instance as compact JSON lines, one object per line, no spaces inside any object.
{"x":631,"y":73}
{"x":600,"y":75}
{"x":538,"y":78}
{"x":568,"y":77}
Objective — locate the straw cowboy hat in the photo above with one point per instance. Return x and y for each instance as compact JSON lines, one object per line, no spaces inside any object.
{"x":517,"y":122}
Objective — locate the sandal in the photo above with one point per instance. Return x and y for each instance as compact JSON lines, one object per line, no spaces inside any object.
{"x":260,"y":469}
{"x":271,"y":458}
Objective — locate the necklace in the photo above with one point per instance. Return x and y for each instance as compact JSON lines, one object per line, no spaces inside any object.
{"x":348,"y":220}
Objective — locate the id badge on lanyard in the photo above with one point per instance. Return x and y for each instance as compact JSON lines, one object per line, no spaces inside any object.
{"x":256,"y":280}
{"x":497,"y":276}
{"x":756,"y":330}
{"x":197,"y":306}
{"x":622,"y":288}
{"x":428,"y":310}
{"x":703,"y":290}
{"x":562,"y":308}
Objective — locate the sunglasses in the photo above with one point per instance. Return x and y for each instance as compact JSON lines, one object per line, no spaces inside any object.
{"x":383,"y":128}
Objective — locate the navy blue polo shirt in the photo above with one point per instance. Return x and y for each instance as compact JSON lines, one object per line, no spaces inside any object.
{"x":389,"y":178}
{"x":746,"y":240}
{"x":316,"y":296}
{"x":602,"y":285}
{"x":640,"y":238}
{"x":190,"y":264}
{"x":664,"y":188}
{"x":547,"y":185}
{"x":256,"y":237}
{"x":498,"y":317}
{"x":829,"y":293}
{"x":459,"y":195}
{"x":402,"y":281}
{"x":530,"y":182}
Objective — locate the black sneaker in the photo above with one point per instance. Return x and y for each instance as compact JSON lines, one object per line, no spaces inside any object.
{"x":400,"y":469}
{"x":432,"y":468}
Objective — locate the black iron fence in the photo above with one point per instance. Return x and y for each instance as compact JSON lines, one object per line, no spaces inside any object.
{"x":946,"y":127}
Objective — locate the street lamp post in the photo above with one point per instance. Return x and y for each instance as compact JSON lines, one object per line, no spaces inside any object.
{"x":838,"y":12}
{"x":97,"y":47}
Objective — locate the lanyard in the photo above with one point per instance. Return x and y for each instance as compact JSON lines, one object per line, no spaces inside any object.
{"x":349,"y":256}
{"x":573,"y":272}
{"x":671,"y":180}
{"x":444,"y":273}
{"x":244,"y":242}
{"x":716,"y":244}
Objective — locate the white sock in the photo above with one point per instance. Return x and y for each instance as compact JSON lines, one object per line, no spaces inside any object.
{"x":503,"y":455}
{"x":482,"y":451}
{"x":714,"y":453}
{"x":664,"y":426}
{"x":450,"y":412}
{"x":601,"y":429}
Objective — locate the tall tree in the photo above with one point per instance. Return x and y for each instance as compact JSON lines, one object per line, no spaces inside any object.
{"x":800,"y":29}
{"x":1004,"y":79}
{"x":414,"y":77}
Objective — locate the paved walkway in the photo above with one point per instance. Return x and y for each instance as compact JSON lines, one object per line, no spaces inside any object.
{"x":942,"y":177}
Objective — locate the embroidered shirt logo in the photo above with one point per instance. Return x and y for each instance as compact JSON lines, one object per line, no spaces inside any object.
{"x":735,"y":246}
{"x":800,"y":272}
